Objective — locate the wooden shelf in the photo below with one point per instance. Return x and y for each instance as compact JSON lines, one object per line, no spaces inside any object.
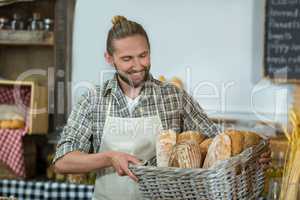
{"x":11,"y":37}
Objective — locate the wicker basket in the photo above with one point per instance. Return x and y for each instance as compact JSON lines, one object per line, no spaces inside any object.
{"x":240,"y":177}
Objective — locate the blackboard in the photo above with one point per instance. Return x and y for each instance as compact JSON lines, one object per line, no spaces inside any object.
{"x":282,"y":40}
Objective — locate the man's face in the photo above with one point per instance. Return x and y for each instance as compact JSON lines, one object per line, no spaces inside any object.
{"x":131,"y":59}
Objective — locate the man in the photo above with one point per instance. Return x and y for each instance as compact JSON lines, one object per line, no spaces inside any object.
{"x":124,"y":116}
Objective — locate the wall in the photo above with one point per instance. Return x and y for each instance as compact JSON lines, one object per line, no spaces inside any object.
{"x":215,"y":47}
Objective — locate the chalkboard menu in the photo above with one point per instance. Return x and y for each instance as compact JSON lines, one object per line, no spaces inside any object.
{"x":282,"y":40}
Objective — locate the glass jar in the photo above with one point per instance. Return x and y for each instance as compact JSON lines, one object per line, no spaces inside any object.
{"x":4,"y":23}
{"x":17,"y":23}
{"x":274,"y":189}
{"x":36,"y":23}
{"x":48,"y":24}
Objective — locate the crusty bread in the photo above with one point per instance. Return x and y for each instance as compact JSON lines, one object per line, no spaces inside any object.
{"x":237,"y":141}
{"x":6,"y":124}
{"x":12,"y":124}
{"x":220,"y":149}
{"x":177,"y":82}
{"x":205,"y":145}
{"x":192,"y":136}
{"x":186,"y":155}
{"x":17,"y":124}
{"x":227,"y":144}
{"x":164,"y":145}
{"x":251,"y":139}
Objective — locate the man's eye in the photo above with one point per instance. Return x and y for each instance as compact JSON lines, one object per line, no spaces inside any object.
{"x":143,"y":55}
{"x":126,"y":59}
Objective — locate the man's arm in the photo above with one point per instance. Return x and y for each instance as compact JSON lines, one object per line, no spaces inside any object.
{"x":78,"y":162}
{"x":75,"y":141}
{"x":194,"y":117}
{"x":72,"y":154}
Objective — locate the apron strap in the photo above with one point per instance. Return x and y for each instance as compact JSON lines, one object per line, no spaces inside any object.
{"x":163,"y":112}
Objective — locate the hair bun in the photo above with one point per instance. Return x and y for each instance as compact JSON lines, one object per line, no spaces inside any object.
{"x":118,"y":19}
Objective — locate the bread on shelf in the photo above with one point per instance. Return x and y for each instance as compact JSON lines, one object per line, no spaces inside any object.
{"x":12,"y":124}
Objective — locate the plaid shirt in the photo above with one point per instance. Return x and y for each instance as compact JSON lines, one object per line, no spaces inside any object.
{"x":176,"y":109}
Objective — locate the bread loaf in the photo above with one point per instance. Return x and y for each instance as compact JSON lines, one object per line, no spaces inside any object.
{"x":204,"y":146}
{"x":251,"y":139}
{"x":242,"y":140}
{"x":12,"y":124}
{"x":186,"y":155}
{"x":191,"y":136}
{"x":237,"y":141}
{"x":227,"y":144}
{"x":220,"y":149}
{"x":5,"y":124}
{"x":164,"y":145}
{"x":177,"y":82}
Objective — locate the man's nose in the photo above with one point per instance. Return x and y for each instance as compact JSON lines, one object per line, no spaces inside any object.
{"x":137,"y":63}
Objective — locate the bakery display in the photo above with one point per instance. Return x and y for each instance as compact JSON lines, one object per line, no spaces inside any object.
{"x":11,"y":117}
{"x":12,"y":124}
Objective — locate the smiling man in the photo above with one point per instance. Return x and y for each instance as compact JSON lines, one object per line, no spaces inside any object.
{"x":122,"y":119}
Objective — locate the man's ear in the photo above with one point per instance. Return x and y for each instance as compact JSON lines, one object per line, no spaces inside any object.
{"x":108,"y":58}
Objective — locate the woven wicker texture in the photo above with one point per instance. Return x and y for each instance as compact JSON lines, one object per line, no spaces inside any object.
{"x":239,"y":177}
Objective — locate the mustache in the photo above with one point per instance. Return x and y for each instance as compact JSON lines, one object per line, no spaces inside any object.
{"x":137,"y":71}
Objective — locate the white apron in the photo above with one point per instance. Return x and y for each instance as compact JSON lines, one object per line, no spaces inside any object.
{"x":135,"y":136}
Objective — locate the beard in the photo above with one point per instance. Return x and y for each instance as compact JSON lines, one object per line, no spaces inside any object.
{"x":125,"y":76}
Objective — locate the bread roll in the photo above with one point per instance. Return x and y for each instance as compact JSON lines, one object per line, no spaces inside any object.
{"x":17,"y":124}
{"x":11,"y":112}
{"x":242,"y":140}
{"x":220,"y":149}
{"x":227,"y":144}
{"x":164,"y":145}
{"x":162,"y":78}
{"x":177,"y":82}
{"x":12,"y":124}
{"x":192,"y":136}
{"x":251,"y":139}
{"x":186,"y":155}
{"x":237,"y":141}
{"x":6,"y":124}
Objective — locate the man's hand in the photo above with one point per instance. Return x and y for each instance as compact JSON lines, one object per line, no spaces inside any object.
{"x":119,"y":161}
